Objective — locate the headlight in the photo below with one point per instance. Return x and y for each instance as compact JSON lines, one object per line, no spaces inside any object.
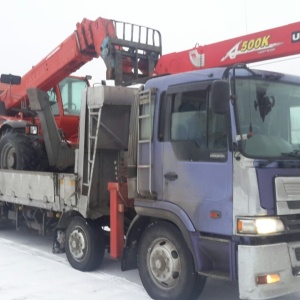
{"x":259,"y":226}
{"x":31,"y":129}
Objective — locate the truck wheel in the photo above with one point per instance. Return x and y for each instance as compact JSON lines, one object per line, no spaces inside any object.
{"x":85,"y":244}
{"x":16,"y":152}
{"x":198,"y":287}
{"x":166,"y":265}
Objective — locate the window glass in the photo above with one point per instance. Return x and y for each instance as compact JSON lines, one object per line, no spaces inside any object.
{"x":194,"y":130}
{"x":71,"y":92}
{"x":295,"y":124}
{"x":53,"y":102}
{"x":268,"y":115}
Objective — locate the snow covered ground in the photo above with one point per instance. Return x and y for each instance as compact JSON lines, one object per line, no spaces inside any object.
{"x":30,"y":271}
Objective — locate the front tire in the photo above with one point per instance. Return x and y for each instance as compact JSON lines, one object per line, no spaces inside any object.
{"x":85,"y":244}
{"x":16,"y":152}
{"x":166,"y":266}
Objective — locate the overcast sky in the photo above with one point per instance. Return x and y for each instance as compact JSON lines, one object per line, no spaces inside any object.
{"x":30,"y":29}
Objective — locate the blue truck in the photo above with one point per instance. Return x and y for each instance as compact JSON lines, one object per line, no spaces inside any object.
{"x":188,"y":176}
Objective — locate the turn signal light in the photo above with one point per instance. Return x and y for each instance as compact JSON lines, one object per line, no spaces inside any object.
{"x":267,"y":279}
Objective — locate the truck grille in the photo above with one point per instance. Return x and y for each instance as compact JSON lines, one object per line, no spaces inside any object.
{"x":287,"y":190}
{"x":291,"y":222}
{"x":293,"y":204}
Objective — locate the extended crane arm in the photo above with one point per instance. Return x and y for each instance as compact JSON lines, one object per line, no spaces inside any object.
{"x":119,"y":44}
{"x":264,"y":45}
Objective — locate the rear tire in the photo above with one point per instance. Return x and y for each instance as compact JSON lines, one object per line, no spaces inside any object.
{"x":166,"y":265}
{"x":41,"y":159}
{"x":85,"y":244}
{"x":16,"y":152}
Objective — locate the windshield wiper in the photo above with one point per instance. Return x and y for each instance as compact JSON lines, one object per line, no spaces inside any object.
{"x":266,"y":163}
{"x":293,"y":153}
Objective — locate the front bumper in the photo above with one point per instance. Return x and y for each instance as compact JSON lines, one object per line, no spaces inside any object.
{"x":279,"y":258}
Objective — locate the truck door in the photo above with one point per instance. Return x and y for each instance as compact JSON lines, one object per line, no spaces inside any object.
{"x":197,"y":166}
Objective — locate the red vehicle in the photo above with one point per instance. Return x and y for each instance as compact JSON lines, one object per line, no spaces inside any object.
{"x":127,"y":59}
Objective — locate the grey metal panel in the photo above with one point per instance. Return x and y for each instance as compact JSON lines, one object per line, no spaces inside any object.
{"x":111,"y":95}
{"x":49,"y":191}
{"x":59,"y":154}
{"x":40,"y":203}
{"x":114,"y":123}
{"x":67,"y":189}
{"x":246,"y":201}
{"x":30,"y":185}
{"x":113,"y":105}
{"x":287,"y":189}
{"x":256,"y":260}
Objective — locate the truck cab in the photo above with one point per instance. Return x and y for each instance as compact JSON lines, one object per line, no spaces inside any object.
{"x":218,"y":156}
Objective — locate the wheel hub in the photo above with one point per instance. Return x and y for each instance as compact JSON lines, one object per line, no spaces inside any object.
{"x":160,"y":264}
{"x":77,"y":244}
{"x":165,"y":263}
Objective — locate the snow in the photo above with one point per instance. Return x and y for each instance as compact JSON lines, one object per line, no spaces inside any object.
{"x":28,"y":273}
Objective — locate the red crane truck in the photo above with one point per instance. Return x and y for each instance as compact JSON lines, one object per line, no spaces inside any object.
{"x":197,"y":173}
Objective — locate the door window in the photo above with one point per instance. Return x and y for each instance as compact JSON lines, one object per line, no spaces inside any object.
{"x":194,"y":130}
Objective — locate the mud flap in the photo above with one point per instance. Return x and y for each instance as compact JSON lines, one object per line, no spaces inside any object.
{"x":59,"y":241}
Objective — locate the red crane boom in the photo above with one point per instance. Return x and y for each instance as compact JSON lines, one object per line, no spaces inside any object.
{"x":264,"y":45}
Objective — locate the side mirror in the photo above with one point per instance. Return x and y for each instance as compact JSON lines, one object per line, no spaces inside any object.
{"x":220,"y":95}
{"x":10,"y":79}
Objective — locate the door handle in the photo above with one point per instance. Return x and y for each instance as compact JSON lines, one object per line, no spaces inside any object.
{"x":171,"y":176}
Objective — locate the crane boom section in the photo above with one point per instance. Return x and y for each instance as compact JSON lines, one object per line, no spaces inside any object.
{"x":264,"y":45}
{"x":81,"y":46}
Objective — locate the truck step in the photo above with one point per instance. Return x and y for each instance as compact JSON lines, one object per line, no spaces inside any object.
{"x":216,"y":274}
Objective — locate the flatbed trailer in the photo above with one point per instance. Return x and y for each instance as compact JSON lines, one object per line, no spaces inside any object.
{"x":50,"y":200}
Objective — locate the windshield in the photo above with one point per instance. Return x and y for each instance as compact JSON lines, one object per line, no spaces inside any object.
{"x":71,"y":93}
{"x":268,"y":118}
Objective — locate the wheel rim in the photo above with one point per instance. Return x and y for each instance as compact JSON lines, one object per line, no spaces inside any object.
{"x":164,"y":263}
{"x":77,"y":244}
{"x":8,"y":157}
